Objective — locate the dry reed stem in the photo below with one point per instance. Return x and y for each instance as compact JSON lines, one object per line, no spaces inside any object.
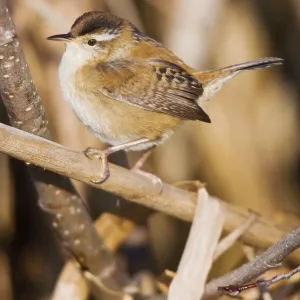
{"x":226,"y":242}
{"x":199,"y":250}
{"x":232,"y":237}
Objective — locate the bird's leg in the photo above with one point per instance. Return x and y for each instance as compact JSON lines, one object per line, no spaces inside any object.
{"x":139,"y":164}
{"x":95,"y":153}
{"x":141,"y":161}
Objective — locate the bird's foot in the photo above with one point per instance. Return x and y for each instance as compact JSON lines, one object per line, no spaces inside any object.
{"x":141,"y":161}
{"x":137,"y":169}
{"x":157,"y":182}
{"x":95,"y":153}
{"x":190,"y":185}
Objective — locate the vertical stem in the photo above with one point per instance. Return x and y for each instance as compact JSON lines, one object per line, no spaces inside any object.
{"x":57,"y":197}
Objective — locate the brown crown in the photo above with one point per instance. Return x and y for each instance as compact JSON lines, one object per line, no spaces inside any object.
{"x":94,"y":21}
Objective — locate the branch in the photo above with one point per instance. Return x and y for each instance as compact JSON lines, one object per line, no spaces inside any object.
{"x":132,"y":186}
{"x":57,"y":196}
{"x":262,"y":284}
{"x":271,"y":258}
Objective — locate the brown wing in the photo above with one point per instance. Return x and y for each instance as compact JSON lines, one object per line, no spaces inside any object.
{"x":151,"y":84}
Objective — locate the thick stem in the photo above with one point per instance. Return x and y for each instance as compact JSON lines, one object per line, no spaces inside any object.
{"x":57,"y":197}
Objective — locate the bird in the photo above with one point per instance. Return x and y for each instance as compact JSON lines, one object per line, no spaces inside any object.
{"x":128,"y":89}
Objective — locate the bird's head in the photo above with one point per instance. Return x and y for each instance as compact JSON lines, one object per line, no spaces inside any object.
{"x":98,"y":34}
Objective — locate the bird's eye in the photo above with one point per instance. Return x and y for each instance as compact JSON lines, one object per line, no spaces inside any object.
{"x":92,"y":42}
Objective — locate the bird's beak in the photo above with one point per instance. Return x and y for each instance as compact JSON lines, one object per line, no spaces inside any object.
{"x":60,"y":37}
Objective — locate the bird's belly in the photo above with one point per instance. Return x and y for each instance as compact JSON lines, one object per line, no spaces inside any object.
{"x":116,"y":122}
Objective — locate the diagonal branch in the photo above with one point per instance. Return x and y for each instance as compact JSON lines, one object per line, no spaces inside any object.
{"x":271,"y":258}
{"x":57,"y":196}
{"x":261,"y":284}
{"x":132,"y":186}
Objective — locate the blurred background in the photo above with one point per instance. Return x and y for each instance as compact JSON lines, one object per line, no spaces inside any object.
{"x":249,"y":154}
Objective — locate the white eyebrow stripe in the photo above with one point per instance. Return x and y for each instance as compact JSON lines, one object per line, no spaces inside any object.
{"x":105,"y":37}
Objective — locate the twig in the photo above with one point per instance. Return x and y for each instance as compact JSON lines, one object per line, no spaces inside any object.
{"x":57,"y":197}
{"x":277,"y":278}
{"x":198,"y":254}
{"x":264,"y":292}
{"x":132,"y":186}
{"x":263,"y":284}
{"x":271,"y":258}
{"x":231,"y":238}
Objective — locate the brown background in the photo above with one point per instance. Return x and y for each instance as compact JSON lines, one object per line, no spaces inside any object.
{"x":248,"y":156}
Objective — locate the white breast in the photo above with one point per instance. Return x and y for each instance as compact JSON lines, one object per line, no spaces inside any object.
{"x":72,"y":60}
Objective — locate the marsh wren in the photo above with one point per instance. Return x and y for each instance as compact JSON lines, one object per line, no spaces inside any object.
{"x":129,"y":90}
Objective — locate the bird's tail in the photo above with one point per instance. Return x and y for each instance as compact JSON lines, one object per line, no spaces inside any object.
{"x":259,"y":63}
{"x":213,"y":80}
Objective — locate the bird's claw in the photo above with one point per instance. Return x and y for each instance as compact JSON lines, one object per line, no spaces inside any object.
{"x":103,"y":178}
{"x":94,"y":153}
{"x":155,"y":179}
